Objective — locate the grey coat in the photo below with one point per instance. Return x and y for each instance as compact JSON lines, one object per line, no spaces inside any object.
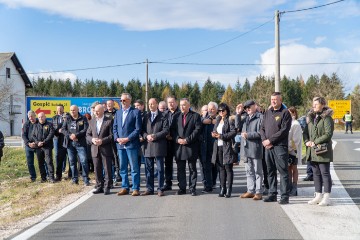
{"x":252,"y":146}
{"x":159,"y":128}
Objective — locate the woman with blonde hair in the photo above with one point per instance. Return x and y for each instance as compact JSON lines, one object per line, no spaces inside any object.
{"x":317,"y":138}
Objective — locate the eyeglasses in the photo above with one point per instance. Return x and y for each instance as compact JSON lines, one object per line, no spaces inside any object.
{"x":222,"y":110}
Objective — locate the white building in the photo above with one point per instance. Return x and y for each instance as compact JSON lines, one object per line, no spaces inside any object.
{"x":13,"y":83}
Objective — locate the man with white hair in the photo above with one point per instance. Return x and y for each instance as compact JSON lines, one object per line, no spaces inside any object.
{"x":207,"y":144}
{"x":186,"y":133}
{"x":29,"y":143}
{"x":43,"y":134}
{"x":100,"y":135}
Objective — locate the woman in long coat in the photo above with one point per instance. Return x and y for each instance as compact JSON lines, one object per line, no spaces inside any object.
{"x":317,"y":135}
{"x":223,"y":152}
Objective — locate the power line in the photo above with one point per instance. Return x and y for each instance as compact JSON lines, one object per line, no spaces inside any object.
{"x":310,"y":8}
{"x":254,"y":64}
{"x":80,"y":69}
{"x":219,"y":44}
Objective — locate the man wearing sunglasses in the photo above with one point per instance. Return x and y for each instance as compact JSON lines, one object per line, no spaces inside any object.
{"x":126,"y":129}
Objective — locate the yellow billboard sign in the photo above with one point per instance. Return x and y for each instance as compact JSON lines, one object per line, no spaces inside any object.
{"x":48,"y":106}
{"x":340,"y":107}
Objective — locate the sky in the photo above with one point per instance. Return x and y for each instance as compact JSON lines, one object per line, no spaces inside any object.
{"x":59,"y":36}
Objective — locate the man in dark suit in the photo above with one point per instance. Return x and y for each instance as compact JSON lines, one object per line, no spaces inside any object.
{"x":186,"y":134}
{"x":59,"y":150}
{"x":172,"y":113}
{"x":100,"y":135}
{"x":43,"y":134}
{"x":126,"y":130}
{"x":154,"y":130}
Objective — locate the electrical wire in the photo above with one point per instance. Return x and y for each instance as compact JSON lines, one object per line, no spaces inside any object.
{"x":78,"y":69}
{"x":310,"y":8}
{"x":254,"y":64}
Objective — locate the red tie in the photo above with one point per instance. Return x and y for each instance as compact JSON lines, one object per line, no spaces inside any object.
{"x":184,"y":120}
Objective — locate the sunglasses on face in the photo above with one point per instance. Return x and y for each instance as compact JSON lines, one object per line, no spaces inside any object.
{"x":222,"y":110}
{"x":123,"y":100}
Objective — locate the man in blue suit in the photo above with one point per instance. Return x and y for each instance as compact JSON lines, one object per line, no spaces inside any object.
{"x":126,"y":129}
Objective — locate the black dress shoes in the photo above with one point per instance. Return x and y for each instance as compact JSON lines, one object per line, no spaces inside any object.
{"x":309,"y":178}
{"x":98,"y":190}
{"x":166,"y":188}
{"x":180,"y":192}
{"x":270,"y":198}
{"x":207,"y":190}
{"x":107,"y":191}
{"x":283,"y":201}
{"x":222,"y":192}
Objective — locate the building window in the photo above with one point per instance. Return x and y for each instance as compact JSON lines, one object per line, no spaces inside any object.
{"x":8,"y":75}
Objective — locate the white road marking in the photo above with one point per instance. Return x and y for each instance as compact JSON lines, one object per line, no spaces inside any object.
{"x":46,"y":222}
{"x":357,"y":149}
{"x":340,"y":220}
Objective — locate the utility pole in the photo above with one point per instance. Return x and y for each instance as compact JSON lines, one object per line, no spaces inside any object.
{"x":147,"y":85}
{"x":277,"y":51}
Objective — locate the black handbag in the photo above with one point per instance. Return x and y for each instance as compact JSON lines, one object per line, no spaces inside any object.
{"x":321,"y":148}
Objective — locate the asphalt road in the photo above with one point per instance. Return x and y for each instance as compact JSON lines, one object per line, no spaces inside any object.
{"x":207,"y":216}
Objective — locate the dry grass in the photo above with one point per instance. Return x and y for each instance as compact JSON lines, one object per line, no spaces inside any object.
{"x":19,"y":197}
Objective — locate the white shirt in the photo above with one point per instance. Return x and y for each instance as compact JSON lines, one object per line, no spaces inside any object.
{"x":219,"y":130}
{"x":124,"y":114}
{"x":99,"y":122}
{"x":153,"y":116}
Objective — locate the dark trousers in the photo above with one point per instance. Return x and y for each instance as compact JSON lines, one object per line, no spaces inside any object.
{"x":30,"y":152}
{"x":348,"y":126}
{"x":322,"y":176}
{"x":206,"y":169}
{"x":115,"y":164}
{"x":169,"y":164}
{"x":266,"y":182}
{"x":309,"y":170}
{"x":45,"y":155}
{"x":60,"y":155}
{"x":226,"y":170}
{"x":277,"y":160}
{"x":103,"y":162}
{"x":181,"y":174}
{"x":60,"y":158}
{"x":215,"y":173}
{"x":149,"y":172}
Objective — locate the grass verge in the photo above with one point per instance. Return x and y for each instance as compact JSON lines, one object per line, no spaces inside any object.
{"x":19,"y":197}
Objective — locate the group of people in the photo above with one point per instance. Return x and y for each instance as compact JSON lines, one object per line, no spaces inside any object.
{"x":268,"y":142}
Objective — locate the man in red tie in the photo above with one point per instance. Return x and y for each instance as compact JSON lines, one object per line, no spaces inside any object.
{"x":186,"y":134}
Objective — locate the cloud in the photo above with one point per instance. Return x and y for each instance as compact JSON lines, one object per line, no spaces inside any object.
{"x":297,"y":54}
{"x":54,"y":75}
{"x":319,"y":40}
{"x":156,"y":14}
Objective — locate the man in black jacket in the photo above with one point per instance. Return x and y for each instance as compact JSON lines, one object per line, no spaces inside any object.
{"x":29,"y":143}
{"x":274,"y":135}
{"x":186,"y":134}
{"x":43,"y":134}
{"x":59,"y":150}
{"x":172,"y":113}
{"x":74,"y":130}
{"x":208,"y":173}
{"x":155,"y":127}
